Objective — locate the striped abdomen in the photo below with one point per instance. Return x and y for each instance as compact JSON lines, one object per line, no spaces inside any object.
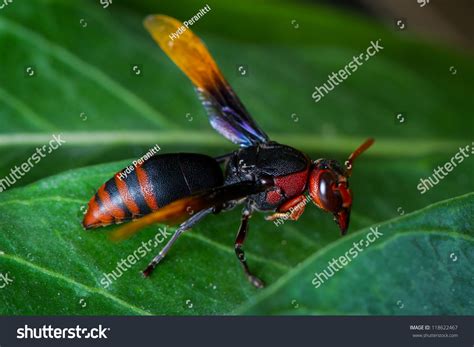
{"x":157,"y":182}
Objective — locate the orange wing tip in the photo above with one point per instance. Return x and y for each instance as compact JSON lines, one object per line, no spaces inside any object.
{"x":157,"y":23}
{"x":151,"y":21}
{"x":135,"y":226}
{"x":125,"y":232}
{"x":172,"y":213}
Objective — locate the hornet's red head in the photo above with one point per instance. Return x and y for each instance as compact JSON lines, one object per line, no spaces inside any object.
{"x":329,"y":188}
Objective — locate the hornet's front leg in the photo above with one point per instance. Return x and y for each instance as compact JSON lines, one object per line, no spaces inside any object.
{"x":292,"y":209}
{"x":239,"y":241}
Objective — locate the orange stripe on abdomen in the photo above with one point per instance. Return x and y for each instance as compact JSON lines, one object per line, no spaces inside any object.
{"x":109,"y":206}
{"x":126,"y":196}
{"x":147,"y":188}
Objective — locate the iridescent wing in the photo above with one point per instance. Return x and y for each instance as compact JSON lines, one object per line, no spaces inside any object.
{"x":226,"y":112}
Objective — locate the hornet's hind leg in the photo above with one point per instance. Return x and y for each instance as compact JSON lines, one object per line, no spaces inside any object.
{"x":239,"y":241}
{"x":188,"y":224}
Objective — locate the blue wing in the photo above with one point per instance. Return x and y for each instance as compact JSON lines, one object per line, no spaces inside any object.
{"x":230,"y":119}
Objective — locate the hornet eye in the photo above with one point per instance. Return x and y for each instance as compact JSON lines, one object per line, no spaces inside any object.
{"x":326,"y":196}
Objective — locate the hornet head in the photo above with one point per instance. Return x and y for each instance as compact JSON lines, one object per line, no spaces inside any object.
{"x":329,"y":186}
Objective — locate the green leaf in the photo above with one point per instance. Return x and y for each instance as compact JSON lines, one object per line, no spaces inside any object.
{"x":57,"y":267}
{"x":419,"y":265}
{"x":63,"y":265}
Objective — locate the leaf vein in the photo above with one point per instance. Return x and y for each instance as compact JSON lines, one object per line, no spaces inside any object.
{"x":73,"y":282}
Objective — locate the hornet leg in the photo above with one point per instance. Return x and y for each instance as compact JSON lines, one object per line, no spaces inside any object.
{"x":241,"y":234}
{"x":188,"y":224}
{"x":292,"y":209}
